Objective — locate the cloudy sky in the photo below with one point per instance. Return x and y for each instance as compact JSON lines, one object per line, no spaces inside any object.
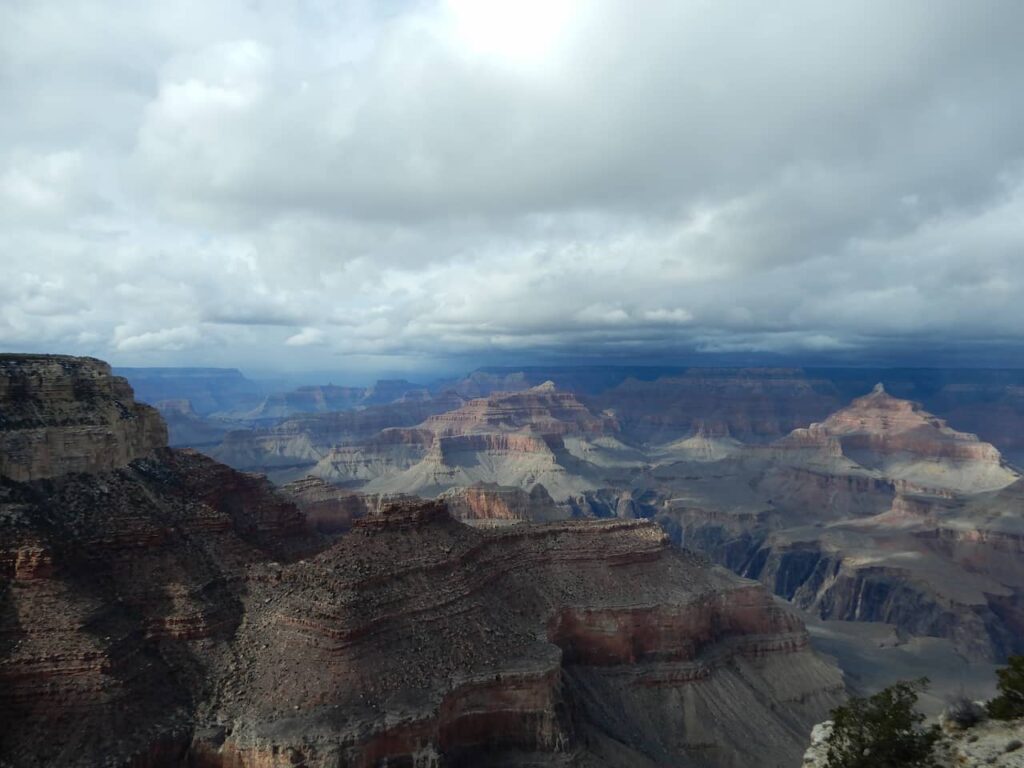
{"x":390,"y":185}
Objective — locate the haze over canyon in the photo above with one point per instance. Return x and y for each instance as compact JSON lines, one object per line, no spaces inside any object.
{"x":509,"y":383}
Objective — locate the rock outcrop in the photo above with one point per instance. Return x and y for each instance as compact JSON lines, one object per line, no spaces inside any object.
{"x":993,"y":742}
{"x":542,"y":410}
{"x":430,"y":642}
{"x":489,"y":503}
{"x":68,"y":414}
{"x":904,"y":442}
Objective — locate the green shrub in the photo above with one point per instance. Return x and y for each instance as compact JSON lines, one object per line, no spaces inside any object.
{"x":1009,"y":704}
{"x":883,"y":731}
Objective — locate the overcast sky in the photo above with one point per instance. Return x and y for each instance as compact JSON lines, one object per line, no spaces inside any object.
{"x":387,"y":185}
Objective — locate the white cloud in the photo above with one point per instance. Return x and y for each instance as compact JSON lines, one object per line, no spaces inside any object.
{"x":253,"y":184}
{"x":306,"y":337}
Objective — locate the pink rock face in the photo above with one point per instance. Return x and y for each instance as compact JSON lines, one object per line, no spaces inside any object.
{"x":541,"y":410}
{"x":70,"y":414}
{"x":884,"y":424}
{"x":489,"y":501}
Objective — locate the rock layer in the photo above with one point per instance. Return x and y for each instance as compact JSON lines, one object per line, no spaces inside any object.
{"x":68,"y":414}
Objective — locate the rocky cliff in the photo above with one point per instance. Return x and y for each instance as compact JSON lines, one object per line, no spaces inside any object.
{"x":67,"y":414}
{"x":489,"y":502}
{"x":521,"y":439}
{"x":421,"y":639}
{"x":543,"y":410}
{"x":903,"y":441}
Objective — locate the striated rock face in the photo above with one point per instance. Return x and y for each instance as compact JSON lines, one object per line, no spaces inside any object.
{"x":290,"y":448}
{"x":119,"y":593}
{"x":879,"y":513}
{"x":68,"y":414}
{"x":492,"y":503}
{"x":156,"y":615}
{"x":174,"y":611}
{"x":419,"y":638}
{"x":330,"y":509}
{"x":879,"y":425}
{"x":542,"y":409}
{"x":537,"y":436}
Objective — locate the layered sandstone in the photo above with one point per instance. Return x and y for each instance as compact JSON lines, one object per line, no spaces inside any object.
{"x":291,"y":447}
{"x":422,"y":639}
{"x":119,"y":594}
{"x":174,"y":611}
{"x":483,"y":503}
{"x":903,"y":441}
{"x":542,"y":410}
{"x":69,"y":414}
{"x":537,"y":436}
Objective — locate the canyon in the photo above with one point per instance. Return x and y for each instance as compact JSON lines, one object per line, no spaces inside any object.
{"x":160,"y":608}
{"x":868,"y":513}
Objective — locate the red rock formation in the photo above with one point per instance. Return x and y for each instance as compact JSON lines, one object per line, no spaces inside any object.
{"x":609,"y":597}
{"x":881,"y":423}
{"x":492,"y":502}
{"x":542,"y":410}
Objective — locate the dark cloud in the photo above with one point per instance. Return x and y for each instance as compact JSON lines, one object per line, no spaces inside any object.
{"x":247,"y":183}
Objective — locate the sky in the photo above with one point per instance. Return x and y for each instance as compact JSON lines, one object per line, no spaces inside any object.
{"x":410,"y":186}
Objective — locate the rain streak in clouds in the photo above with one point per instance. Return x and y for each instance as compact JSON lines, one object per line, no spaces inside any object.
{"x":322,"y":184}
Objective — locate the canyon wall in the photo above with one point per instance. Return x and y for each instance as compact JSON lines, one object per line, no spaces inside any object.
{"x":66,"y":414}
{"x":173,"y":611}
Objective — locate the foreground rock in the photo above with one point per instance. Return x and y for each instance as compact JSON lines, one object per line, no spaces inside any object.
{"x":994,"y":742}
{"x":174,"y":611}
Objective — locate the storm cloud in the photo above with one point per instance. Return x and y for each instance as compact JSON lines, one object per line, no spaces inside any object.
{"x":322,"y":184}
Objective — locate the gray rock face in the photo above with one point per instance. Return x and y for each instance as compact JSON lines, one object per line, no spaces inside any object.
{"x":70,"y":414}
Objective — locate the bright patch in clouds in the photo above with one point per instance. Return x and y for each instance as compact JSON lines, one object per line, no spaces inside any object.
{"x":520,"y":31}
